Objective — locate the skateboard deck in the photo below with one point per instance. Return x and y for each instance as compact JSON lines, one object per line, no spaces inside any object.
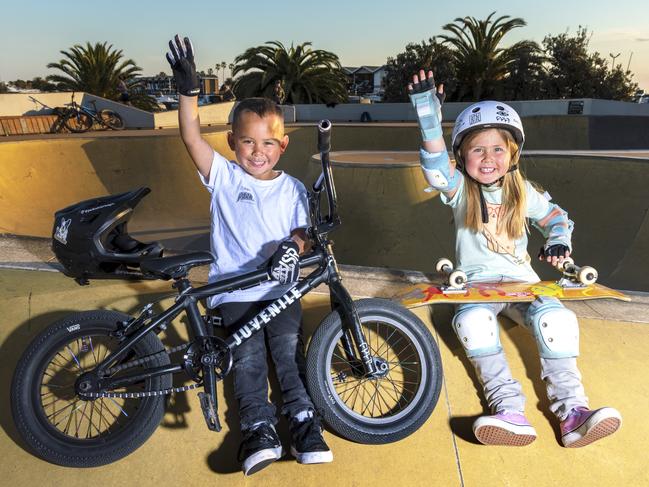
{"x":428,"y":293}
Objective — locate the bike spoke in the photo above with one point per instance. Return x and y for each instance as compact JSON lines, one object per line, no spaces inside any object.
{"x":75,"y":358}
{"x":118,"y":406}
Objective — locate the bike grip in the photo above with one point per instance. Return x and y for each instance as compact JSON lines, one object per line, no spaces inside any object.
{"x":324,"y":136}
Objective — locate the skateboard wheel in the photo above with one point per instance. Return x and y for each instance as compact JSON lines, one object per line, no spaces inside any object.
{"x":457,"y":279}
{"x":563,"y":266}
{"x":587,"y":275}
{"x":441,"y":263}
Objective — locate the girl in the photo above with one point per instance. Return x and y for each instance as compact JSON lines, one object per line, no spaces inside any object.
{"x":492,"y":204}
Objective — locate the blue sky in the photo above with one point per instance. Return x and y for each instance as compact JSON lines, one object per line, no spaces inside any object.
{"x":360,"y":32}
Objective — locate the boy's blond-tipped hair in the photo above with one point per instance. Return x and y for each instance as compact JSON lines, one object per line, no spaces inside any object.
{"x":261,"y":106}
{"x":514,"y":202}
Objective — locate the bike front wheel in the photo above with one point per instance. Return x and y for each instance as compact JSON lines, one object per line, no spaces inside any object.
{"x":112,"y":119}
{"x":399,"y":399}
{"x":55,"y":422}
{"x":78,"y":122}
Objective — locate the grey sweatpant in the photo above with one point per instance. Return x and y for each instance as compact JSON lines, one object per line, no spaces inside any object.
{"x":503,"y":393}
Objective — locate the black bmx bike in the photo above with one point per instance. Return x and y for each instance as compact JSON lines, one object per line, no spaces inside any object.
{"x":80,"y":118}
{"x":91,"y":388}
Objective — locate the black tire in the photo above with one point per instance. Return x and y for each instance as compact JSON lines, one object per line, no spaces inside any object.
{"x":112,"y":119}
{"x":60,"y":427}
{"x":77,"y":122}
{"x":402,"y":400}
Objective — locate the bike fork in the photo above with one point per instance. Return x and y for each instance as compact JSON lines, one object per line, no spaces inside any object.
{"x":353,"y":339}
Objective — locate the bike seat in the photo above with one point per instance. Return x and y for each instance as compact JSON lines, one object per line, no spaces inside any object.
{"x":175,"y":267}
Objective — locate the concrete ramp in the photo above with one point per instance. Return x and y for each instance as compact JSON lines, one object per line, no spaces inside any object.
{"x":388,"y":220}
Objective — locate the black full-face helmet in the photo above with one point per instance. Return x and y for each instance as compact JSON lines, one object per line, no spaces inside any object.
{"x":90,"y":239}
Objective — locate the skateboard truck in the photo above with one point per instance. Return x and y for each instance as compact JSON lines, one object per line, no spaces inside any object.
{"x":574,"y":275}
{"x":455,"y":278}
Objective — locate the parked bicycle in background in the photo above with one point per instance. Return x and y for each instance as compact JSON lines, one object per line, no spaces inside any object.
{"x":80,"y":118}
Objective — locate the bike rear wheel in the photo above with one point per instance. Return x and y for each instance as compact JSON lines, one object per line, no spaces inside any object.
{"x":63,"y":428}
{"x":394,"y":404}
{"x":77,"y":122}
{"x":112,"y":119}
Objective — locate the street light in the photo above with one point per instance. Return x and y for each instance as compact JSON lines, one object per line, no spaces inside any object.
{"x":613,"y":58}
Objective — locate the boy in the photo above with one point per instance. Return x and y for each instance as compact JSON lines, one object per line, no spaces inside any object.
{"x":257,"y":213}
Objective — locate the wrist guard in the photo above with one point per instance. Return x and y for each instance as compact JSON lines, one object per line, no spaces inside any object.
{"x":428,"y":106}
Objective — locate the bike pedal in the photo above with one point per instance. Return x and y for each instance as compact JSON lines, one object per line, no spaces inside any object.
{"x":209,"y":412}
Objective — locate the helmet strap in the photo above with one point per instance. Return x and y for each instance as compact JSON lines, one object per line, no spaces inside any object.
{"x":483,"y":208}
{"x":483,"y":204}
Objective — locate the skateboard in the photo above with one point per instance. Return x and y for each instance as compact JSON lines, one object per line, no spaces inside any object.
{"x":576,"y":283}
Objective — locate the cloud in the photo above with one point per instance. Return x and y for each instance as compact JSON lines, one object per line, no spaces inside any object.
{"x":616,"y":35}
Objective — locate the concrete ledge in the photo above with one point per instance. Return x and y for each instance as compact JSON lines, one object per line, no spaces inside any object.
{"x":28,"y":253}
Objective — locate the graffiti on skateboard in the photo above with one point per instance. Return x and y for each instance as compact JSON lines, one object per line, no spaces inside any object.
{"x":577,"y":283}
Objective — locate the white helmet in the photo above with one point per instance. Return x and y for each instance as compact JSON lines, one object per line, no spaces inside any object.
{"x":487,"y":114}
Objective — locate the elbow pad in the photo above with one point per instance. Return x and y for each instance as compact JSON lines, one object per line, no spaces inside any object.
{"x":437,"y":170}
{"x":556,"y":227}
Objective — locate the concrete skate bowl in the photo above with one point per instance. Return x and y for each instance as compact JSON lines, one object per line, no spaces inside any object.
{"x":389,"y":221}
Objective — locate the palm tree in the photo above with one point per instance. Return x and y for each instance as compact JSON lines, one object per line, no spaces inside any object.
{"x":97,"y":69}
{"x":223,"y":66}
{"x":308,"y":75}
{"x":481,"y":64}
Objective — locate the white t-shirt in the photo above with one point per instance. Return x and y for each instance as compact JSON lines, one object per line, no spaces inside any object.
{"x":490,"y":255}
{"x":250,"y":218}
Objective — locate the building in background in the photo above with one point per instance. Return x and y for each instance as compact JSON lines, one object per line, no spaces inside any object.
{"x":366,"y":81}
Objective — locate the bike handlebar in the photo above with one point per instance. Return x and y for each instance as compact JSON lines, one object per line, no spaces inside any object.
{"x":324,"y":225}
{"x":324,"y":136}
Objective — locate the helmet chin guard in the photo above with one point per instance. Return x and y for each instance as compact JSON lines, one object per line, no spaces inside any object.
{"x":91,"y":241}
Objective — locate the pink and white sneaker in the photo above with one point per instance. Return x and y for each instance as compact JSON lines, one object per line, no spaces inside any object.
{"x":583,"y":426}
{"x":504,"y":428}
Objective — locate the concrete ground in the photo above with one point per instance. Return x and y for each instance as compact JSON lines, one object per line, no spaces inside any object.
{"x":443,"y":452}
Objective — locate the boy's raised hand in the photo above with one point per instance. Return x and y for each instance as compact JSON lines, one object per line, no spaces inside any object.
{"x":181,"y":59}
{"x":427,"y":100}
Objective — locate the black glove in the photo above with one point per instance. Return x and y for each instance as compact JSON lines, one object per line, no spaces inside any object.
{"x":284,"y":264}
{"x":181,"y":59}
{"x":556,"y":250}
{"x":428,"y":84}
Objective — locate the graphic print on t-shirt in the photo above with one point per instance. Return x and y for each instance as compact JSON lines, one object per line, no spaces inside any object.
{"x":497,"y":240}
{"x":245,"y":195}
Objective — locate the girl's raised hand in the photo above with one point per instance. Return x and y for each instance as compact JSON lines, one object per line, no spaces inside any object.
{"x":423,"y":82}
{"x":427,"y":101}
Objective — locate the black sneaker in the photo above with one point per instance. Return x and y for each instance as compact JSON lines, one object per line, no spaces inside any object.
{"x":260,"y":447}
{"x":307,"y":444}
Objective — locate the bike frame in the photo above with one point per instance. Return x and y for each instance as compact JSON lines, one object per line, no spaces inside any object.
{"x":216,"y":353}
{"x":92,"y":113}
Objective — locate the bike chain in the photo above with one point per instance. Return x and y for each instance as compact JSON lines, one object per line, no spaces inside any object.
{"x":137,"y":395}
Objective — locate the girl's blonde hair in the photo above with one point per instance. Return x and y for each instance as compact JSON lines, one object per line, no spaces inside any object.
{"x":514,"y":204}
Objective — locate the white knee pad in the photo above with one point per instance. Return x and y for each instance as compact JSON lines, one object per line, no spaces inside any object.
{"x":555,"y":328}
{"x":477,"y":329}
